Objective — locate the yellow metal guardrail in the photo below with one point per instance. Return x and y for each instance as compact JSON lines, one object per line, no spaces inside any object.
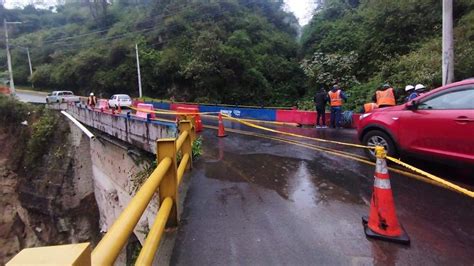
{"x":166,"y":178}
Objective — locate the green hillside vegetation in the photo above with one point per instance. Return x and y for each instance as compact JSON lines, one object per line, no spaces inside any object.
{"x":237,"y":51}
{"x":398,"y":42}
{"x":234,"y":51}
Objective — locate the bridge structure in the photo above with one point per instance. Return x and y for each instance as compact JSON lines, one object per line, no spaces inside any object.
{"x":258,"y":198}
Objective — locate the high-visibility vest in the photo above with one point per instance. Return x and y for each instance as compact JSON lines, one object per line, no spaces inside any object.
{"x":92,"y":100}
{"x":385,"y":97}
{"x":335,"y":98}
{"x":369,"y":107}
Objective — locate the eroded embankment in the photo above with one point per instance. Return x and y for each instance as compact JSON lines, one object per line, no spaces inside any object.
{"x":46,"y":184}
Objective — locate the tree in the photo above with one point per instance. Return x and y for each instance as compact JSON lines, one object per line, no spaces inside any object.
{"x":330,"y":69}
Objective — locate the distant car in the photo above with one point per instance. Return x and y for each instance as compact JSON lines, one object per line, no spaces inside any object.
{"x":61,"y":97}
{"x":437,"y":125}
{"x":122,"y":100}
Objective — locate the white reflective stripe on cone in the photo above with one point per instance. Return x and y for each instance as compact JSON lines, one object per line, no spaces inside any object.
{"x":381,"y":166}
{"x":382,"y":183}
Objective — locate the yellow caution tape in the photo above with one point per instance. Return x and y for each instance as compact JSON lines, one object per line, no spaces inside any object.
{"x":170,"y":112}
{"x":339,"y":153}
{"x":256,"y":121}
{"x":433,"y":177}
{"x":343,"y":154}
{"x":296,"y":135}
{"x":412,"y":168}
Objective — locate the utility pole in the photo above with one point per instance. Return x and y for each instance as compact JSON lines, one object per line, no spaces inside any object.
{"x":448,"y":51}
{"x":29,"y":62}
{"x":9,"y":57}
{"x":138,"y":71}
{"x":31,"y":68}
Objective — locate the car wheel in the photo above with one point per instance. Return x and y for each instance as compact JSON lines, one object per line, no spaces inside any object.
{"x":379,"y":138}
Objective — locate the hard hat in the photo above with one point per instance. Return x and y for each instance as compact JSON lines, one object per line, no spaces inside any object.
{"x":385,"y":86}
{"x":92,"y":94}
{"x":409,"y":87}
{"x":419,"y":87}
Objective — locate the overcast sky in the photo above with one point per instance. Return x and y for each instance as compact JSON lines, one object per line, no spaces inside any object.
{"x":301,"y":8}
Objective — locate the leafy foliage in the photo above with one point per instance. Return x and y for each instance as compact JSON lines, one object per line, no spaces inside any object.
{"x":236,"y":51}
{"x":43,"y":131}
{"x":231,"y":51}
{"x":392,"y":41}
{"x":329,"y":69}
{"x":12,"y":112}
{"x":197,"y":147}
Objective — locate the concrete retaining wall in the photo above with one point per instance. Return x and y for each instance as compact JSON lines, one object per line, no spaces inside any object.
{"x":140,"y":133}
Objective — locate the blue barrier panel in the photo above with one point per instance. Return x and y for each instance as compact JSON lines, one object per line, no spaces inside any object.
{"x":238,"y":112}
{"x":160,"y":105}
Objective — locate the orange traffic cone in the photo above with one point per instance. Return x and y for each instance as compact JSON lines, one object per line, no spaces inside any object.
{"x":119,"y":109}
{"x":221,"y":131}
{"x":198,"y":123}
{"x":382,"y":222}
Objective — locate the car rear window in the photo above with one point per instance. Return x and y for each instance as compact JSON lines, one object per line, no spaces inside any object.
{"x":68,"y":93}
{"x":124,"y":97}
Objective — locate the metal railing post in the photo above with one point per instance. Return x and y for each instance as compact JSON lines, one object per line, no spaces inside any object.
{"x":187,"y":145}
{"x":169,"y":184}
{"x":192,"y":132}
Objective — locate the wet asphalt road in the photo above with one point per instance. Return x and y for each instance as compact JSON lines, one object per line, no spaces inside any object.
{"x":255,"y":201}
{"x":31,"y":97}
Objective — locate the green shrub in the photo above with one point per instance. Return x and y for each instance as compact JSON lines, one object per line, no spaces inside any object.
{"x":360,"y":94}
{"x":12,"y":112}
{"x":197,"y":147}
{"x":41,"y":138}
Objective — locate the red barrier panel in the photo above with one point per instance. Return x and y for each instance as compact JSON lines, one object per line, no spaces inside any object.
{"x":296,"y":116}
{"x":174,"y":106}
{"x":103,"y":104}
{"x":181,"y":109}
{"x":307,"y":118}
{"x":288,"y":116}
{"x":135,"y":102}
{"x":144,"y":106}
{"x":192,"y":110}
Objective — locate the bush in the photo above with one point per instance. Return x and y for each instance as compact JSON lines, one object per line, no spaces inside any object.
{"x":12,"y":112}
{"x":360,"y":94}
{"x":41,"y":138}
{"x":197,"y":147}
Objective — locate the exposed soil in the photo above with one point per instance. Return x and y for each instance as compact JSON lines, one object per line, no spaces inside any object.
{"x":50,"y":202}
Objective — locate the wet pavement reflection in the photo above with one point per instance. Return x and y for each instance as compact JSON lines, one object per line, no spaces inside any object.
{"x":255,"y":201}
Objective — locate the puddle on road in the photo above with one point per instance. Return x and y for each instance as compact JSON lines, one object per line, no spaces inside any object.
{"x":301,"y":181}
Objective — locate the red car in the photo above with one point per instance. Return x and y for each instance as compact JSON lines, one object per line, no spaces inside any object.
{"x":437,"y":125}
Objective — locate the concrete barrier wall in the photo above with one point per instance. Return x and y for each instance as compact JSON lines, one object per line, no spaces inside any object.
{"x":138,"y":132}
{"x":269,"y":114}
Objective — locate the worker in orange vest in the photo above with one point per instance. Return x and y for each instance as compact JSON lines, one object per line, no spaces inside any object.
{"x":91,"y":100}
{"x":385,"y":96}
{"x":336,"y":96}
{"x":369,"y":107}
